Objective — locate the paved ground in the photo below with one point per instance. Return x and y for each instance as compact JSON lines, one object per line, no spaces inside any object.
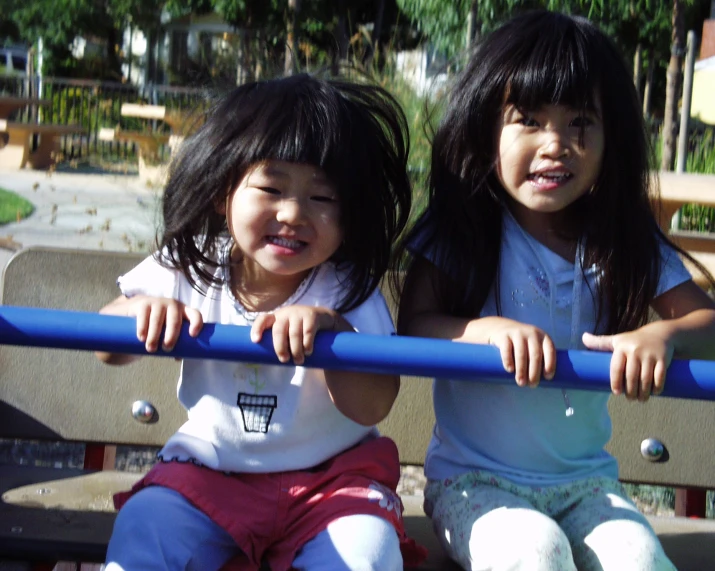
{"x":81,"y":208}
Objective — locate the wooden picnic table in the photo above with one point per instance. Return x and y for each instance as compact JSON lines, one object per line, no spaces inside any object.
{"x":178,"y":121}
{"x":9,"y":103}
{"x":16,"y":152}
{"x":679,"y":189}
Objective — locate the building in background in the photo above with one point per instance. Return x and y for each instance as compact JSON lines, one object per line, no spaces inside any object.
{"x":702,"y":106}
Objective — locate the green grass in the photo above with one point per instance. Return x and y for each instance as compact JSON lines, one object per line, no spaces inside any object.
{"x":701,"y":159}
{"x":13,"y":207}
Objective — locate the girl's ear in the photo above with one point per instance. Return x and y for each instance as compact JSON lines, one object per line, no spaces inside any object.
{"x":220,"y":205}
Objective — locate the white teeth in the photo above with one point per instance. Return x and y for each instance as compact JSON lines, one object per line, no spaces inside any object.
{"x":551,"y":177}
{"x":285,"y":242}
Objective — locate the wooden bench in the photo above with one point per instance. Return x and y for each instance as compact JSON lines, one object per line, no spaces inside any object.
{"x":151,"y":168}
{"x":60,"y":514}
{"x":148,"y":142}
{"x":17,"y":150}
{"x":677,"y":190}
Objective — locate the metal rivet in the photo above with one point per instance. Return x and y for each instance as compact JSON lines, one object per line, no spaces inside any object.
{"x":43,"y":491}
{"x":143,"y":411}
{"x":652,"y":449}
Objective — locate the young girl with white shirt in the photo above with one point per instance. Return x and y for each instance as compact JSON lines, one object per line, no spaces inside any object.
{"x":539,"y":234}
{"x":278,"y":214}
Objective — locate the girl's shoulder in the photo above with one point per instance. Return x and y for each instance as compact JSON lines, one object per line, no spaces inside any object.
{"x":158,"y":275}
{"x":371,"y":316}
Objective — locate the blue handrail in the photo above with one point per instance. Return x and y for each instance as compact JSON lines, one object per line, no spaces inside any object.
{"x":586,"y":370}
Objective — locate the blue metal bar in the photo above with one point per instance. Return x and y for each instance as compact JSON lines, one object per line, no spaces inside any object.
{"x":584,"y":370}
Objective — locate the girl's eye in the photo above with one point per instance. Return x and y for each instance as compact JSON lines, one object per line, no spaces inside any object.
{"x":581,"y":122}
{"x":269,"y":190}
{"x":527,"y":121}
{"x":319,"y":198}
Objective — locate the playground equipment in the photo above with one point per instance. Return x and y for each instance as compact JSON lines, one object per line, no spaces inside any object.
{"x":64,"y":395}
{"x":584,"y":370}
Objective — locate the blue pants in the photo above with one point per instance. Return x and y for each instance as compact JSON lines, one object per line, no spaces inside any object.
{"x":158,"y":529}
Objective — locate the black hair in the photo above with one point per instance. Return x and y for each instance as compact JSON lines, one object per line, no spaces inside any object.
{"x":535,"y":59}
{"x":356,"y":132}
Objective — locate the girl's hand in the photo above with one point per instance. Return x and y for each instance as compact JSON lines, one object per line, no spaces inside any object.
{"x":639,"y":362}
{"x":154,"y":314}
{"x":294,"y":328}
{"x":525,"y":350}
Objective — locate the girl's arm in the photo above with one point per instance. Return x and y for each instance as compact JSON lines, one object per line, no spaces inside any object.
{"x":365,"y":398}
{"x":153,"y":315}
{"x":525,"y":350}
{"x":641,"y":357}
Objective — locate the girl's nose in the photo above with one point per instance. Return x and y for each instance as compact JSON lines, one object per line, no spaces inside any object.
{"x":290,"y":211}
{"x":554,"y":147}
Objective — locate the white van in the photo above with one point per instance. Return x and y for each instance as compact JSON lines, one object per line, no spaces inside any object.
{"x":14,"y":58}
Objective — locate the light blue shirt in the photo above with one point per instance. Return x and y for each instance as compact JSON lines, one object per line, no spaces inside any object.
{"x":519,"y":433}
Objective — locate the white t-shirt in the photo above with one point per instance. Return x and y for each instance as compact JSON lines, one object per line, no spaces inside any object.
{"x":520,"y":433}
{"x":257,"y":418}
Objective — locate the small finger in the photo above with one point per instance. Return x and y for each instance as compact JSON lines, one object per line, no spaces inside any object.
{"x":646,"y":380}
{"x":143,"y":323}
{"x":281,"y":343}
{"x":172,"y":327}
{"x":295,"y":338}
{"x":156,"y":324}
{"x":549,"y":358}
{"x":617,"y":372}
{"x":506,"y":350}
{"x":195,"y":319}
{"x":536,"y":361}
{"x":261,"y":323}
{"x":521,"y":362}
{"x":659,"y":374}
{"x":310,"y":329}
{"x":633,"y":378}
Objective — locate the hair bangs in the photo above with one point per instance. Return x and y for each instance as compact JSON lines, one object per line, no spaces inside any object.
{"x":299,"y":121}
{"x":559,"y":67}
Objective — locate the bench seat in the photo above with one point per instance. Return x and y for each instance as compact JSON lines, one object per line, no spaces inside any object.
{"x":16,"y":152}
{"x":78,"y":518}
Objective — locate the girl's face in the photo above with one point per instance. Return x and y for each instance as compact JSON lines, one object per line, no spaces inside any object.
{"x":285,"y":220}
{"x":547,"y":158}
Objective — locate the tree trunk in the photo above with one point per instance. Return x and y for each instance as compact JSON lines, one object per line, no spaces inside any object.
{"x":341,"y":36}
{"x":374,"y":45}
{"x":115,"y":66}
{"x":648,"y":88}
{"x":472,"y":21}
{"x":637,"y":65}
{"x":672,"y":90}
{"x":291,"y":37}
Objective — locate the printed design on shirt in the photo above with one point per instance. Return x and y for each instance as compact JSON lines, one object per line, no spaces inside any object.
{"x":385,"y":497}
{"x":540,"y":291}
{"x":256,"y":409}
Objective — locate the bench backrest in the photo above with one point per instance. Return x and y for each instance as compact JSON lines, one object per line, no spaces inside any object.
{"x":70,"y":395}
{"x":58,"y":394}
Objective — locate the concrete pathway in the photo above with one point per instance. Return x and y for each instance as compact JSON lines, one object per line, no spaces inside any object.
{"x":81,"y":209}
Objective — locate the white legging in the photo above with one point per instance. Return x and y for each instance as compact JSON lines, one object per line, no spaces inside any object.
{"x":486,"y":522}
{"x":158,"y":529}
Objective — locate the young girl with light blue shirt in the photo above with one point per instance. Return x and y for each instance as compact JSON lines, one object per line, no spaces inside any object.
{"x":540,"y":235}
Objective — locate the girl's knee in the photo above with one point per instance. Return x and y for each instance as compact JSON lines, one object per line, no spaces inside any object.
{"x":509,"y":538}
{"x":352,"y":543}
{"x":367,"y":542}
{"x":622,"y":544}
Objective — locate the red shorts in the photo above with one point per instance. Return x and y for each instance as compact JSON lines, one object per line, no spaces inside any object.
{"x":271,"y":516}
